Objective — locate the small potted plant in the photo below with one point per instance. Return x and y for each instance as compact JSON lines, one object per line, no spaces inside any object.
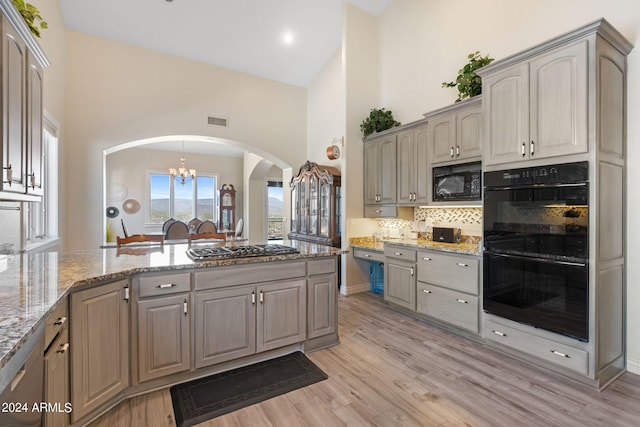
{"x":31,"y":16}
{"x":468,"y":82}
{"x":378,"y":120}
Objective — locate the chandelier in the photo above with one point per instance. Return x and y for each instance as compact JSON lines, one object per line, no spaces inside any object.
{"x":182,"y":171}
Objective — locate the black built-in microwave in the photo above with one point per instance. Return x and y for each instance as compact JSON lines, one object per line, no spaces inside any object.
{"x":461,"y":182}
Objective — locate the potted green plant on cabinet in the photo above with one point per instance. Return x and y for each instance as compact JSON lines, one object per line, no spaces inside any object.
{"x":31,"y":16}
{"x":468,"y":82}
{"x":377,"y":121}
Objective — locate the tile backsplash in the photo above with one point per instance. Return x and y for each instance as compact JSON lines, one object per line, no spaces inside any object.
{"x":467,"y":219}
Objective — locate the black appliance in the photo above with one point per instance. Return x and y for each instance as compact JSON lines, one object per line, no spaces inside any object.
{"x":457,"y":182}
{"x":225,"y":252}
{"x":446,"y":235}
{"x":536,"y":247}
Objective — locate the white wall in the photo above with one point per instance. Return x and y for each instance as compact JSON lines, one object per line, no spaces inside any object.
{"x":117,"y":93}
{"x":424,"y":43}
{"x":125,"y":167}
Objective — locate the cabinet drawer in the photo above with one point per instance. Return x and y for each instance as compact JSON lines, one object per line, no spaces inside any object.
{"x":56,"y":321}
{"x":559,"y":354}
{"x":249,"y":273}
{"x":368,"y":255}
{"x":452,"y":271}
{"x":154,"y":285}
{"x":399,"y":252}
{"x":321,"y":266}
{"x":449,"y":306}
{"x":374,"y":211}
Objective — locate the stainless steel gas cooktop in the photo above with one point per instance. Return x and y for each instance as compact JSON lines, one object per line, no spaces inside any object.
{"x":225,"y":252}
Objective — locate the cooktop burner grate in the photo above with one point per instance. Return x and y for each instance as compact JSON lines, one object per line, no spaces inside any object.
{"x":225,"y":252}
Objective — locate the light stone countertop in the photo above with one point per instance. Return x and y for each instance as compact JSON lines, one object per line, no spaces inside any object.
{"x":469,"y":247}
{"x":32,"y":284}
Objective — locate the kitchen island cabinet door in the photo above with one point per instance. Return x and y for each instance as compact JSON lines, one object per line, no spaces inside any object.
{"x":281,"y":318}
{"x":225,"y":326}
{"x":99,"y":346}
{"x":321,"y":309}
{"x":56,"y":380}
{"x":163,"y":336}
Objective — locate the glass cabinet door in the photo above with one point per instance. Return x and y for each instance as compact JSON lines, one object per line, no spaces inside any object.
{"x":325,"y":209}
{"x":304,"y":209}
{"x":295,"y":208}
{"x":313,"y":205}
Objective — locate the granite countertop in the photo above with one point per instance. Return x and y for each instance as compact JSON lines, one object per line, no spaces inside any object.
{"x":31,"y":284}
{"x":468,"y":246}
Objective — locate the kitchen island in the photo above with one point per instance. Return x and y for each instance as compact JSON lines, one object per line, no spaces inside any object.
{"x":35,"y":290}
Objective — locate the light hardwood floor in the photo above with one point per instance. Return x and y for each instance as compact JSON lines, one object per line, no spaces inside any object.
{"x":393,"y":370}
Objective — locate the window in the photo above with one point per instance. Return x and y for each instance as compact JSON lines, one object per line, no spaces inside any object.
{"x":169,"y":198}
{"x":42,"y":217}
{"x":275,"y":219}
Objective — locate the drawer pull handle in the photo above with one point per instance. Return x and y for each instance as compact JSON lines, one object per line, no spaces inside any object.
{"x":397,"y":253}
{"x":523,"y":148}
{"x":461,"y":264}
{"x":378,"y":211}
{"x":261,"y":297}
{"x":557,"y":353}
{"x":412,"y":272}
{"x":63,"y":348}
{"x":60,"y":321}
{"x":426,"y":291}
{"x":461,"y":301}
{"x":367,"y":256}
{"x":166,"y":285}
{"x":426,"y":259}
{"x":253,"y":297}
{"x":502,"y":334}
{"x":185,"y":307}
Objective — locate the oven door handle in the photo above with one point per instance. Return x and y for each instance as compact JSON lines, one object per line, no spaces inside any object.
{"x":534,"y":186}
{"x":537,"y":259}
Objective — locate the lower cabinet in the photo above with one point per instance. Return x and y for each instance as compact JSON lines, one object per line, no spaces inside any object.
{"x":56,"y":381}
{"x":99,"y":346}
{"x":321,"y":305}
{"x":240,"y":321}
{"x":450,"y":306}
{"x":163,"y":336}
{"x":225,"y":325}
{"x":400,"y":276}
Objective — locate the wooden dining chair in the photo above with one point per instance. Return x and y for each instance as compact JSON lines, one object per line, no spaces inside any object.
{"x":207,"y":226}
{"x":138,"y":238}
{"x":167,"y":223}
{"x":207,"y":236}
{"x":177,"y":230}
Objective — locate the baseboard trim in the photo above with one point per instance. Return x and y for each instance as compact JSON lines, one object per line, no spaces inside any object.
{"x":355,"y":289}
{"x":633,"y":366}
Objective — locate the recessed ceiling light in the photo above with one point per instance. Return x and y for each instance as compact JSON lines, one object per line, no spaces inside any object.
{"x":287,"y":37}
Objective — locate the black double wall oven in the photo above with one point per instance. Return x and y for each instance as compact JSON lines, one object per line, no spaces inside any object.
{"x":536,"y":238}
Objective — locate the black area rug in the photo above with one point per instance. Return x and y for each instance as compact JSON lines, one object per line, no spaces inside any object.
{"x":200,"y":400}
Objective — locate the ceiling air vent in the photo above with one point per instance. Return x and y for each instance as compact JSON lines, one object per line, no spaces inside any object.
{"x":217,"y":121}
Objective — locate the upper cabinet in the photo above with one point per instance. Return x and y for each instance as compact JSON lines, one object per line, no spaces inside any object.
{"x":380,"y":169}
{"x":21,"y":124}
{"x":412,"y":165}
{"x":538,"y":106}
{"x":456,"y":132}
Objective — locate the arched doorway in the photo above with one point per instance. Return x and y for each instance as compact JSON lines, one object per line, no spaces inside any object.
{"x":128,"y":169}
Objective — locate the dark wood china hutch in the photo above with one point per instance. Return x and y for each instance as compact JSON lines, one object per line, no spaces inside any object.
{"x":315,"y":205}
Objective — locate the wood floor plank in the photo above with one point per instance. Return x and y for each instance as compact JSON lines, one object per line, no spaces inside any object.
{"x":394,"y":370}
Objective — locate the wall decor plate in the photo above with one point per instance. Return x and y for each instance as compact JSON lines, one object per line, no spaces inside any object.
{"x":131,"y":206}
{"x":112,"y":212}
{"x":118,"y":191}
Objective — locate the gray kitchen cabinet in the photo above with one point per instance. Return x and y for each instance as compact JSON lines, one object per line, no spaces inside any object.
{"x":400,"y":276}
{"x":537,"y":108}
{"x":56,"y":381}
{"x":163,"y":336}
{"x":281,"y":310}
{"x":456,"y":132}
{"x":225,"y":325}
{"x":380,"y":169}
{"x":412,"y":165}
{"x":448,"y":288}
{"x":34,"y":137}
{"x":14,"y":54}
{"x":321,"y":305}
{"x":22,"y":62}
{"x":99,"y":346}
